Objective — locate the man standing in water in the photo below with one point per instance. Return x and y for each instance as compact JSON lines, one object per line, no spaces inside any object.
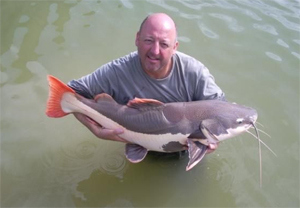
{"x":155,"y":71}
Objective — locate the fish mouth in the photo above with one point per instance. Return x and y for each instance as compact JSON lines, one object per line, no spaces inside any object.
{"x":253,"y":120}
{"x":232,"y":132}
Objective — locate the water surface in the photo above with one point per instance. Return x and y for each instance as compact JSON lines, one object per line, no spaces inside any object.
{"x":251,"y":47}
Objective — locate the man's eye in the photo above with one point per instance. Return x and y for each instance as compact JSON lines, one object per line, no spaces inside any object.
{"x":148,"y":41}
{"x":164,"y":45}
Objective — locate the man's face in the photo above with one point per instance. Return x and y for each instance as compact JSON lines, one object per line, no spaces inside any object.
{"x":156,"y":43}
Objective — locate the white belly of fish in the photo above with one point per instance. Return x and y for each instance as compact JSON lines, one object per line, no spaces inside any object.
{"x":153,"y":142}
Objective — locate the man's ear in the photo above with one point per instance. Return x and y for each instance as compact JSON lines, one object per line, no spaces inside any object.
{"x":175,"y":46}
{"x":137,"y":38}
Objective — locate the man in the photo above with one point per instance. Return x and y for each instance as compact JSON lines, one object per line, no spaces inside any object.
{"x":157,"y":71}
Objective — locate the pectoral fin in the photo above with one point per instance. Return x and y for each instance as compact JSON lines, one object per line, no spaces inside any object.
{"x":210,"y":128}
{"x":196,"y":153}
{"x":135,"y":153}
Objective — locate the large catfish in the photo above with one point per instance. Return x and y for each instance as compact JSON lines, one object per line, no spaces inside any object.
{"x":150,"y":125}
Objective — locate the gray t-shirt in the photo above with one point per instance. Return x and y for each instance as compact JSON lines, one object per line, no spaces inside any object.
{"x":124,"y":79}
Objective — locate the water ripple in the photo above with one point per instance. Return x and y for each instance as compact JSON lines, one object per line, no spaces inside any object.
{"x":23,"y":19}
{"x":184,"y":39}
{"x":207,"y":32}
{"x":8,"y":58}
{"x":216,"y":168}
{"x":285,"y":22}
{"x":127,"y":4}
{"x":224,"y":174}
{"x":276,"y":13}
{"x":297,"y":41}
{"x":273,"y":56}
{"x":169,"y":161}
{"x":251,"y":14}
{"x":164,"y":5}
{"x":53,"y":16}
{"x":196,"y":5}
{"x":296,"y":54}
{"x":231,"y":22}
{"x":85,"y":150}
{"x":3,"y":77}
{"x":226,"y":5}
{"x":114,"y":164}
{"x":91,"y":13}
{"x":282,"y":43}
{"x":190,"y":16}
{"x":77,"y":158}
{"x":266,"y":28}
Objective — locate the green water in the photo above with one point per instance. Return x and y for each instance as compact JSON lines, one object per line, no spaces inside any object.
{"x":251,"y":47}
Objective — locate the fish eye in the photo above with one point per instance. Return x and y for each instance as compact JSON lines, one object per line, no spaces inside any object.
{"x":239,"y":120}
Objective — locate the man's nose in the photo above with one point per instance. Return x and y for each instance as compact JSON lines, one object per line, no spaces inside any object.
{"x":155,"y":48}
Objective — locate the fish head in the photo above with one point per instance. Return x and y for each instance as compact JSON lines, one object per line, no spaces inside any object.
{"x":227,"y":122}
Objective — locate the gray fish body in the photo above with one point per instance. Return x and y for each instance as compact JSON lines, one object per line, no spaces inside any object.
{"x":182,"y":117}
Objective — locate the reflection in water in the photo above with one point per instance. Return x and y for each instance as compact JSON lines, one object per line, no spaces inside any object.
{"x":266,"y":28}
{"x":273,"y":56}
{"x":221,"y":170}
{"x":76,"y":162}
{"x":297,"y":55}
{"x":207,"y":32}
{"x":282,"y":43}
{"x":24,"y":18}
{"x":231,"y":22}
{"x":170,"y":162}
{"x":114,"y":164}
{"x":85,"y":150}
{"x":120,"y":203}
{"x":252,"y":49}
{"x":11,"y":55}
{"x":127,"y":4}
{"x":165,"y":5}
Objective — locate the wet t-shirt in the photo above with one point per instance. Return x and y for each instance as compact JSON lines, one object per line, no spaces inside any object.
{"x":125,"y":79}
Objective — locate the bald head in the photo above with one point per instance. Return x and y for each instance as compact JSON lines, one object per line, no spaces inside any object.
{"x":160,"y":19}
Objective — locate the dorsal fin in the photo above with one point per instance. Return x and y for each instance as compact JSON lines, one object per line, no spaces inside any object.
{"x":104,"y":97}
{"x":140,"y":103}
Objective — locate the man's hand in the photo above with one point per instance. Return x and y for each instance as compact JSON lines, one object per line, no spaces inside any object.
{"x":212,"y":147}
{"x":98,"y":130}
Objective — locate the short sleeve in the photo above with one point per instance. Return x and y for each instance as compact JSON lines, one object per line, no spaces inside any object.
{"x":206,"y":88}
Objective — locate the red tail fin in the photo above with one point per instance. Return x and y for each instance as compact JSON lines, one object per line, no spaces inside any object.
{"x":56,"y":90}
